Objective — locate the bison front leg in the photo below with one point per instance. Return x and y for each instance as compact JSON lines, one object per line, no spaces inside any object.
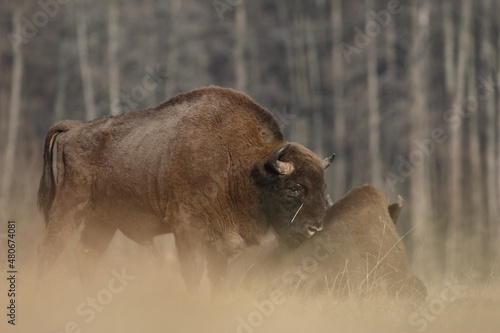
{"x":94,"y":240}
{"x":216,"y":267}
{"x":190,"y":248}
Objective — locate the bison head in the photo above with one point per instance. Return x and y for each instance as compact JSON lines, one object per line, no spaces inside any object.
{"x":292,"y":192}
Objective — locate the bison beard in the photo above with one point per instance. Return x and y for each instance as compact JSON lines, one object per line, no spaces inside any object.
{"x":210,"y":166}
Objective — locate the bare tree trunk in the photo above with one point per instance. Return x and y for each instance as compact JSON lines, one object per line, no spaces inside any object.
{"x":373,"y":107}
{"x":496,"y":234}
{"x":176,"y":14}
{"x":454,"y":240}
{"x":488,"y":61}
{"x":300,"y":82}
{"x":390,"y":49}
{"x":301,"y":58}
{"x":3,"y":99}
{"x":476,"y":219}
{"x":14,"y":107}
{"x":62,"y":72}
{"x":310,"y":47}
{"x":62,"y":81}
{"x":339,"y":125}
{"x":290,"y":56}
{"x":300,"y":129}
{"x":113,"y":60}
{"x":85,"y":68}
{"x":449,"y":47}
{"x":420,"y":188}
{"x":240,"y":48}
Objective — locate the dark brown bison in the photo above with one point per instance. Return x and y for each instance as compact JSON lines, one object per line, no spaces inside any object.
{"x":210,"y":166}
{"x":358,"y":250}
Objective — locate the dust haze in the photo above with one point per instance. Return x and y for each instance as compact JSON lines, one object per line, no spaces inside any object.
{"x":138,"y":292}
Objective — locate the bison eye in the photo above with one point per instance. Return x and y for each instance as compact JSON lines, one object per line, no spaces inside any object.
{"x":294,"y":190}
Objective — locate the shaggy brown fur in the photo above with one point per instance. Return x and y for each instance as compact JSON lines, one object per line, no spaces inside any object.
{"x":210,"y":166}
{"x":359,"y":250}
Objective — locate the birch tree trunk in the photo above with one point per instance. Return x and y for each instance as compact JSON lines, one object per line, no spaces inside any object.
{"x":476,"y":222}
{"x":62,"y":69}
{"x":14,"y":108}
{"x":339,"y":125}
{"x":298,"y":36}
{"x":373,"y":107}
{"x":455,"y":249}
{"x":284,"y":15}
{"x":310,"y":48}
{"x":3,"y":99}
{"x":303,"y":98}
{"x":176,"y":15}
{"x":488,"y":63}
{"x":85,"y":68}
{"x":449,"y":47}
{"x":113,"y":61}
{"x":420,"y":189}
{"x":240,"y":47}
{"x":497,"y":233}
{"x":390,"y":49}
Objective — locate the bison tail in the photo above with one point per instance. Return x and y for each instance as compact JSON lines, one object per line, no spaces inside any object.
{"x":47,"y":190}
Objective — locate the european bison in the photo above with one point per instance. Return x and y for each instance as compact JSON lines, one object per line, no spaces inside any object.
{"x":358,"y":250}
{"x":210,"y":166}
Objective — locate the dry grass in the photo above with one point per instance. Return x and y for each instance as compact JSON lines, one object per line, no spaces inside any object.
{"x":156,"y":300}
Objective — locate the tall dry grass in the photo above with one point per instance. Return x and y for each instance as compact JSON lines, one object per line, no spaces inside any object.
{"x":155,"y":299}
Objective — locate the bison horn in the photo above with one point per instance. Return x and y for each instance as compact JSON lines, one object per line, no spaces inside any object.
{"x":327,"y":161}
{"x":283,"y":168}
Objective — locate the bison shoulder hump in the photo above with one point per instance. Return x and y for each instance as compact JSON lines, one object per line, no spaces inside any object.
{"x":232,"y":99}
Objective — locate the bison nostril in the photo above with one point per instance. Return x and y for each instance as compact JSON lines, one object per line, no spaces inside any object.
{"x":319,"y":226}
{"x":312,"y":229}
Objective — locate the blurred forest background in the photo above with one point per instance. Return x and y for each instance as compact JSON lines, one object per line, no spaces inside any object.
{"x":406,"y":93}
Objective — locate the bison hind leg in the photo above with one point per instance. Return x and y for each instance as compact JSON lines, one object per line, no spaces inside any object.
{"x":94,"y":240}
{"x":63,"y":220}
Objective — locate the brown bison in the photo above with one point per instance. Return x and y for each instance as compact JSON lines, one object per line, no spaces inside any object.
{"x":210,"y":166}
{"x":358,"y":250}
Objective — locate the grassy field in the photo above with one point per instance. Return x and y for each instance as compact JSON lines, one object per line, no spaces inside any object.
{"x":135,"y":293}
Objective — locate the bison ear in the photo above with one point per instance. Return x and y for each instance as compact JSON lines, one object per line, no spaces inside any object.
{"x":328,"y":201}
{"x":273,"y":162}
{"x":327,"y":161}
{"x":395,"y":208}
